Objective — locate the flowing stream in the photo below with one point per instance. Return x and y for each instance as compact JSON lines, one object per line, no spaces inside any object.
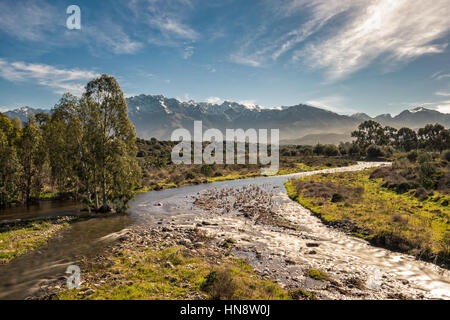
{"x":335,"y":251}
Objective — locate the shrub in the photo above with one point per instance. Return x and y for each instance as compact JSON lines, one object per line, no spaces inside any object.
{"x":354,"y":150}
{"x":429,"y":175}
{"x":374,"y":151}
{"x":207,"y":170}
{"x":337,"y":198}
{"x":446,"y":155}
{"x":141,"y":154}
{"x":412,"y":156}
{"x":318,"y":149}
{"x":219,"y":285}
{"x":424,"y":157}
{"x":330,"y":150}
{"x":190,"y":175}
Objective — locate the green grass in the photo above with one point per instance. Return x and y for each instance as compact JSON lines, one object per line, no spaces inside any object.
{"x":173,"y":273}
{"x":18,"y":239}
{"x":397,"y":221}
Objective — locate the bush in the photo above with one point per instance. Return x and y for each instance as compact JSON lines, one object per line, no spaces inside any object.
{"x":330,"y":150}
{"x":412,"y":156}
{"x":141,"y":154}
{"x":190,"y":175}
{"x":424,"y":157}
{"x":374,"y":151}
{"x":337,"y":198}
{"x":354,"y":150}
{"x":207,"y":170}
{"x":446,"y":155}
{"x":219,"y":285}
{"x":429,"y":175}
{"x":318,"y":149}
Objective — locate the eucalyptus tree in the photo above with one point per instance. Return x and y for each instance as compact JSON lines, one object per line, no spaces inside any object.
{"x":32,"y":157}
{"x":112,"y":142}
{"x":10,"y":168}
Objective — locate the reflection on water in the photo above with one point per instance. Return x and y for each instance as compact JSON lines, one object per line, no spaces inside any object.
{"x":41,"y":209}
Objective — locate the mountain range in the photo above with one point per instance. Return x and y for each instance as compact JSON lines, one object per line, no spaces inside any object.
{"x":157,"y":116}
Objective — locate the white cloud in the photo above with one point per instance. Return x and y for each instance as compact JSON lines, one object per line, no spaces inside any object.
{"x":334,"y":104}
{"x":166,"y":17}
{"x":60,"y":80}
{"x":443,"y":107}
{"x":399,"y":31}
{"x":345,"y":36}
{"x":44,"y":22}
{"x":439,"y":75}
{"x":248,"y":61}
{"x":112,"y":37}
{"x":188,"y":52}
{"x":443,"y":94}
{"x":214,"y":100}
{"x":29,"y":20}
{"x":248,"y":103}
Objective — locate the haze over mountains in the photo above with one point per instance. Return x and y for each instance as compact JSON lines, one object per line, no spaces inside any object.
{"x":157,"y":116}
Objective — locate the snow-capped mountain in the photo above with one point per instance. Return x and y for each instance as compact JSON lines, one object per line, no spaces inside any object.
{"x":158,"y":116}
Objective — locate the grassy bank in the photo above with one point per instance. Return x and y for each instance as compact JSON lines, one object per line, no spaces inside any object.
{"x":173,"y":272}
{"x":359,"y":204}
{"x":19,"y":238}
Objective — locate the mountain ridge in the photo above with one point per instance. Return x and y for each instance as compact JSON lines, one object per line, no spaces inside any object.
{"x":158,"y":116}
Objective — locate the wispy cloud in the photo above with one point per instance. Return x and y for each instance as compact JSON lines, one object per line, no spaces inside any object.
{"x":248,"y":61}
{"x":334,"y":103}
{"x":167,"y":18}
{"x":342,"y":37}
{"x":443,"y":94}
{"x":399,"y":31}
{"x":59,"y":80}
{"x":29,"y":20}
{"x":188,"y":52}
{"x":44,"y":22}
{"x":440,"y":75}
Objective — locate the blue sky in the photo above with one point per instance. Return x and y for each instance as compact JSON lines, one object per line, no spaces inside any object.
{"x":374,"y":56}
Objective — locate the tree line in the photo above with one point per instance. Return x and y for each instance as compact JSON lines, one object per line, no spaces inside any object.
{"x":433,"y":137}
{"x":85,"y":149}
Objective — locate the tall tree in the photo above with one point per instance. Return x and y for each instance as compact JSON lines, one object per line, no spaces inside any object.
{"x":32,"y":157}
{"x":429,"y":136}
{"x":113,"y":140}
{"x":406,"y":139}
{"x":370,"y":133}
{"x":10,"y":170}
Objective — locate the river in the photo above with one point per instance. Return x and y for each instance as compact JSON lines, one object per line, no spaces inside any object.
{"x":336,"y":251}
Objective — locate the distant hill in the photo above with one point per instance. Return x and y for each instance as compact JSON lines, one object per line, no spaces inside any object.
{"x":323,"y":138}
{"x":157,"y":116}
{"x":24,"y":113}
